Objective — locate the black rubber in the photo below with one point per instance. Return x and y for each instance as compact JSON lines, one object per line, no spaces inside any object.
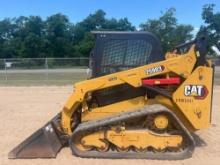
{"x":92,"y":126}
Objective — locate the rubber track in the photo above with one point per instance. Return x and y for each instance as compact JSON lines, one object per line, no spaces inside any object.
{"x":92,"y":126}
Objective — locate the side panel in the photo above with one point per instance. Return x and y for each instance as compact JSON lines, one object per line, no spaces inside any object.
{"x":112,"y":109}
{"x":193,"y":97}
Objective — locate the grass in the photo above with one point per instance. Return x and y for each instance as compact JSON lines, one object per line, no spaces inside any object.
{"x":217,"y":80}
{"x":53,"y":77}
{"x":217,"y":75}
{"x":41,"y":78}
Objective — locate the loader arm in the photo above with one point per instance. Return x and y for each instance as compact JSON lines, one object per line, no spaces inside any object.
{"x":181,"y":65}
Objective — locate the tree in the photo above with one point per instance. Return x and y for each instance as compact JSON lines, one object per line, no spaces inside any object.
{"x":6,"y":34}
{"x":168,"y":30}
{"x":58,"y":36}
{"x":54,"y":37}
{"x":211,"y":27}
{"x":84,"y":41}
{"x":118,"y":25}
{"x":92,"y":22}
{"x":22,"y":37}
{"x":30,"y":35}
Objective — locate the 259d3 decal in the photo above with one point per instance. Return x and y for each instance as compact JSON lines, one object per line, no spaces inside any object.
{"x":154,"y":70}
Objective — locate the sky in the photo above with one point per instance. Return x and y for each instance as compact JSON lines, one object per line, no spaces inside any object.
{"x":137,"y":11}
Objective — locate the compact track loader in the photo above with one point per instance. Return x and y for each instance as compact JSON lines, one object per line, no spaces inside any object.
{"x":137,"y":103}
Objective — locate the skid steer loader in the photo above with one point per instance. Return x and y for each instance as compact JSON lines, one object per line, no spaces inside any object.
{"x":137,"y":103}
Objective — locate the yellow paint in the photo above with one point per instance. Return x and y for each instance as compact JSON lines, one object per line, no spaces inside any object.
{"x":196,"y":110}
{"x":173,"y":107}
{"x":181,"y":65}
{"x":112,"y":109}
{"x":96,"y":138}
{"x":123,"y":139}
{"x":141,"y":139}
{"x":161,"y":122}
{"x":157,"y":82}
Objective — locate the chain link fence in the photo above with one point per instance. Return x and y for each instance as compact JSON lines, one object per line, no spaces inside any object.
{"x":51,"y":71}
{"x":42,"y":71}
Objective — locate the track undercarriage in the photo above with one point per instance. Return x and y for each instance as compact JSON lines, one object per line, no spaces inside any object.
{"x":150,"y":132}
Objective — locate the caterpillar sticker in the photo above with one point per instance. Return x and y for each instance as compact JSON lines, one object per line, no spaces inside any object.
{"x":154,"y":70}
{"x":196,"y":91}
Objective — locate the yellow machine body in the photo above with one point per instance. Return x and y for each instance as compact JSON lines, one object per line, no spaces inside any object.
{"x":191,"y":100}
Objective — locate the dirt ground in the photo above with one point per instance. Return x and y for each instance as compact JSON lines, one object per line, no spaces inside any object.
{"x":25,"y":109}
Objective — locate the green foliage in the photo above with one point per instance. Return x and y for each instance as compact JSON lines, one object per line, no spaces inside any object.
{"x":168,"y":30}
{"x":55,"y":37}
{"x":84,"y":41}
{"x":58,"y":37}
{"x":211,"y":27}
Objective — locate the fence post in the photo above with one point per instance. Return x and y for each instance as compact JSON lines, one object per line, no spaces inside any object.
{"x":46,"y":67}
{"x":6,"y":75}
